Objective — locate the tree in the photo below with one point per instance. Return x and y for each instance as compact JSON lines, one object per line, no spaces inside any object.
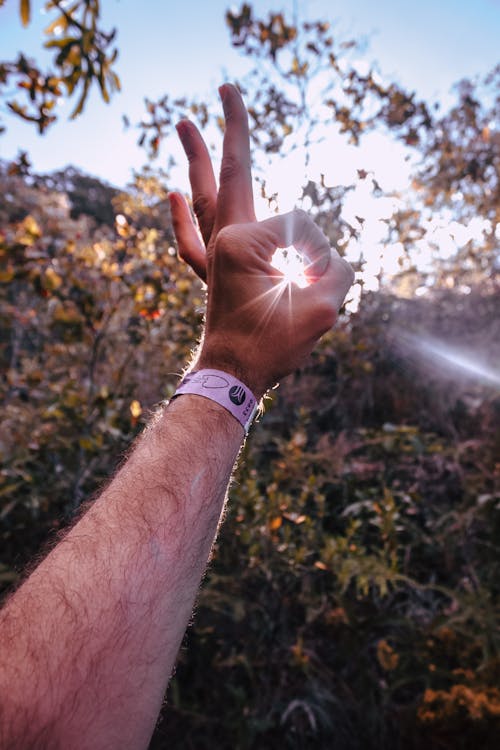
{"x":354,"y":593}
{"x":83,"y":56}
{"x":305,"y":86}
{"x":458,"y":182}
{"x":353,"y":600}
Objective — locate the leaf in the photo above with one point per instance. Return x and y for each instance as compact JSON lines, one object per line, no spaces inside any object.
{"x":74,"y":57}
{"x":104,"y":92}
{"x":135,"y":409}
{"x":67,"y":314}
{"x":86,"y":443}
{"x":51,"y":279}
{"x":387,"y":657}
{"x":29,"y":231}
{"x":60,"y":22}
{"x":71,"y":81}
{"x":320,"y":565}
{"x":81,"y":103}
{"x":115,"y":82}
{"x":66,"y":41}
{"x":7,"y":274}
{"x":25,"y":12}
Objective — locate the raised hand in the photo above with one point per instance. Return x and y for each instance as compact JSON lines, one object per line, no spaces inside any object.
{"x":257,"y":326}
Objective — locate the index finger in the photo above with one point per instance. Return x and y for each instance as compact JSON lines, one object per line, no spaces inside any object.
{"x":235,"y":199}
{"x":201,"y":177}
{"x":297,"y":228}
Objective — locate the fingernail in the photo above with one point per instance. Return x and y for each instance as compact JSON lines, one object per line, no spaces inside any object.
{"x":182,"y":127}
{"x":223,"y":96}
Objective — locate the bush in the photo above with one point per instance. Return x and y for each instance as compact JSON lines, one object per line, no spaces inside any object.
{"x":352,"y":601}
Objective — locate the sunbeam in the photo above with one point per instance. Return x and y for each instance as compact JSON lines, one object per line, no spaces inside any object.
{"x":468,"y":363}
{"x":289,"y":262}
{"x":274,"y":295}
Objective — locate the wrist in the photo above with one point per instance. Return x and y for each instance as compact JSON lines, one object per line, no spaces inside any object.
{"x":223,"y":389}
{"x":224,"y":359}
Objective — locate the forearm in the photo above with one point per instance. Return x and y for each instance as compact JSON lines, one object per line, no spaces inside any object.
{"x":89,"y":641}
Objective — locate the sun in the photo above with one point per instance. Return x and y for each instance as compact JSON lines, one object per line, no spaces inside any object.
{"x":289,"y":262}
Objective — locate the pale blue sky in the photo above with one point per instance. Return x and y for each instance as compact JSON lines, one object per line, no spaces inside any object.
{"x":183,"y":48}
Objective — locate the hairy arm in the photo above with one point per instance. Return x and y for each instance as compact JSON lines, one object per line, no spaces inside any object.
{"x":89,"y":641}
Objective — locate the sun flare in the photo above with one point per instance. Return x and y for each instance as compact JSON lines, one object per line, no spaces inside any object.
{"x":289,"y":262}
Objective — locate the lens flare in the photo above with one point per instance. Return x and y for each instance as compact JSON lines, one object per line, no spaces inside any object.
{"x":289,"y":262}
{"x":468,"y":363}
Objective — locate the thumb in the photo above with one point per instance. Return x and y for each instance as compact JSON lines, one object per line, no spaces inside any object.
{"x":323,"y":298}
{"x":298,"y":229}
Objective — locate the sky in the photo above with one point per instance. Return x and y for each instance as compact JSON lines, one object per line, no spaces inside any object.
{"x":183,"y":48}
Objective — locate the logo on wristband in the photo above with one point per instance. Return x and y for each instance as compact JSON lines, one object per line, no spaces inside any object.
{"x":237,"y":395}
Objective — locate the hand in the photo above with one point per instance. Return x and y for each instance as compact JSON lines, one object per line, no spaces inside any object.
{"x":258,"y":327}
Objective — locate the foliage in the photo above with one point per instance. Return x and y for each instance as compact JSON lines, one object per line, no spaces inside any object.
{"x":307,"y":84}
{"x":458,"y":180}
{"x":87,"y":195}
{"x":294,"y":66}
{"x":77,"y":296}
{"x":353,"y":598}
{"x":354,"y":589}
{"x":83,"y":55}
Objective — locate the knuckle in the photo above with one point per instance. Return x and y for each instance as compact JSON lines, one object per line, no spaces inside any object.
{"x":225,"y":239}
{"x":201,"y":205}
{"x":229,"y":243}
{"x":231,"y":167}
{"x":326,"y":317}
{"x":301,"y":217}
{"x":301,"y":214}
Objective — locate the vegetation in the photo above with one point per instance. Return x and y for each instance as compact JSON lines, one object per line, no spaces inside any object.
{"x":353,"y":598}
{"x":83,"y":56}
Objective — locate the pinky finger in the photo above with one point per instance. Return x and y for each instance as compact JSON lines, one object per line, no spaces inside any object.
{"x":190,"y":246}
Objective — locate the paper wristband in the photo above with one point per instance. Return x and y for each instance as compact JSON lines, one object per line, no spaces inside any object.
{"x":225,"y":390}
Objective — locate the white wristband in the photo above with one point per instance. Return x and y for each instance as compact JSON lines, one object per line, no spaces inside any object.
{"x":225,"y":390}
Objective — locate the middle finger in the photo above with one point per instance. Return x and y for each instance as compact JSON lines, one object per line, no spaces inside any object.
{"x":235,"y":199}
